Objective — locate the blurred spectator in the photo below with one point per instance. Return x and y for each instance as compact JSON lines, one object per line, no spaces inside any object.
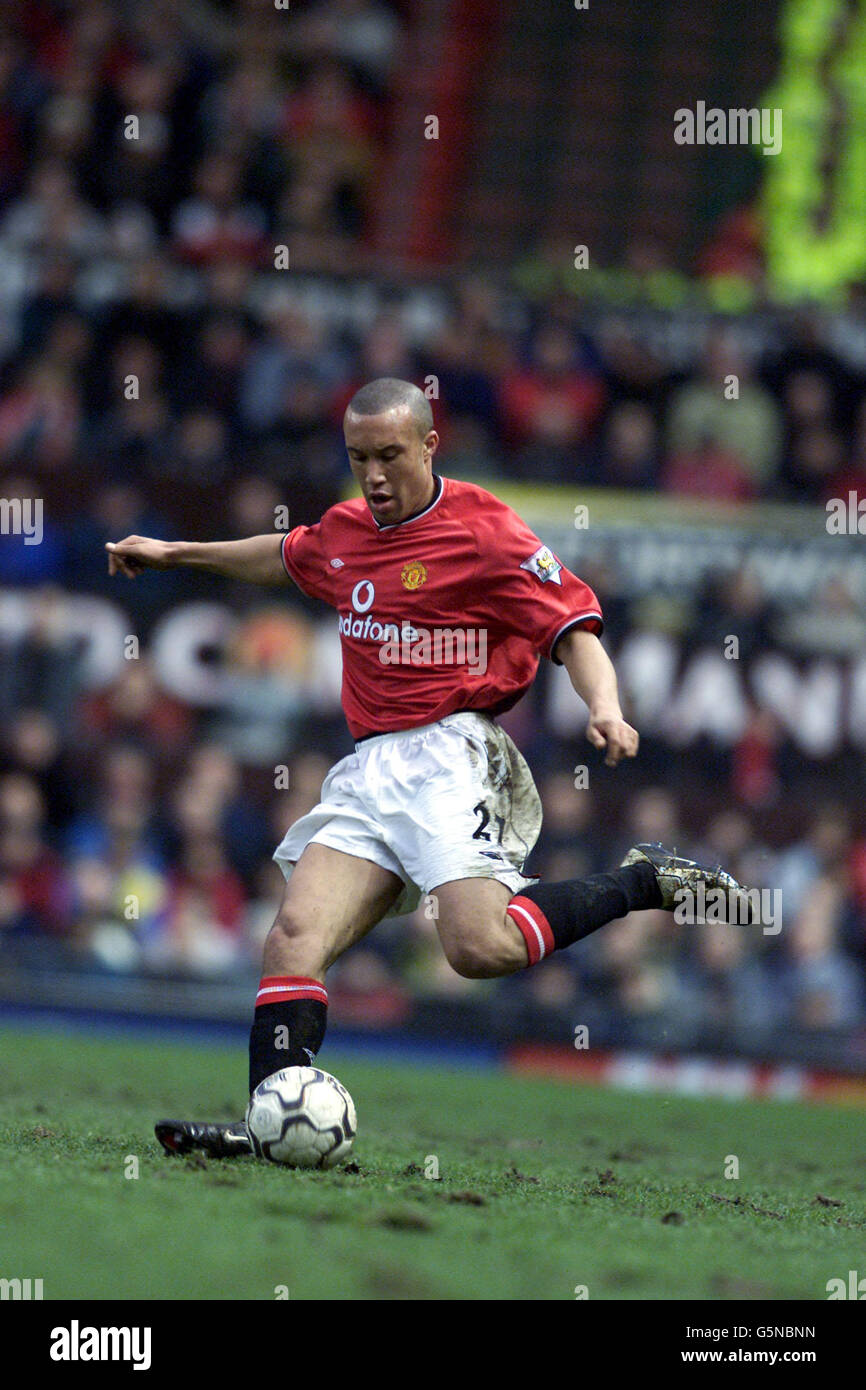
{"x":835,"y":626}
{"x":632,"y":369}
{"x":851,"y":477}
{"x":466,"y":390}
{"x":628,"y":456}
{"x":755,"y":778}
{"x":33,"y":745}
{"x":629,"y":963}
{"x":200,"y":928}
{"x":820,"y":853}
{"x":215,"y":222}
{"x":199,"y":455}
{"x":823,"y":987}
{"x":736,"y":605}
{"x":50,"y":296}
{"x":213,"y":373}
{"x":734,"y":250}
{"x":573,"y":844}
{"x":728,"y":408}
{"x":550,"y":407}
{"x":41,"y":665}
{"x":296,"y":351}
{"x":653,"y":815}
{"x":146,"y":314}
{"x":708,"y":470}
{"x":120,"y":827}
{"x":730,"y":839}
{"x":362,"y":33}
{"x":117,"y":510}
{"x":52,"y":217}
{"x":329,"y":129}
{"x":34,"y":891}
{"x":260,"y":714}
{"x":135,"y":710}
{"x":729,"y":989}
{"x":40,"y":417}
{"x":384,"y":351}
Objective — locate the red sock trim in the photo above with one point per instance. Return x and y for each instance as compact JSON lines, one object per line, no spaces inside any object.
{"x":533,"y":926}
{"x":282,"y":989}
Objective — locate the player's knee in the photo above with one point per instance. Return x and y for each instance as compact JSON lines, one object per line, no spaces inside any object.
{"x":290,"y":922}
{"x":294,"y":935}
{"x":471,"y":957}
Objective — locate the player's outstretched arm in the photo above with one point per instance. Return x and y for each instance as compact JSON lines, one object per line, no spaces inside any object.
{"x":594,"y":679}
{"x":258,"y":560}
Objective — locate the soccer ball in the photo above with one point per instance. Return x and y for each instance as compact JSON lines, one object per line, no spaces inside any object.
{"x":303,"y":1117}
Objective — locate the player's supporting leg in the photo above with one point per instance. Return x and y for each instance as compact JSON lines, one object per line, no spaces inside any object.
{"x":487,"y":931}
{"x":331,"y":900}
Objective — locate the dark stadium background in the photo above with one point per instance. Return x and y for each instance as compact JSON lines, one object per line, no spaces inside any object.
{"x":145,"y":774}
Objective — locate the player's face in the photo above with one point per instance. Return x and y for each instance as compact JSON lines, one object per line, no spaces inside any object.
{"x":392,"y":463}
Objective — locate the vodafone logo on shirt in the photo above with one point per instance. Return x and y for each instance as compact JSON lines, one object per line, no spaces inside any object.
{"x":368,"y":628}
{"x":363,"y":595}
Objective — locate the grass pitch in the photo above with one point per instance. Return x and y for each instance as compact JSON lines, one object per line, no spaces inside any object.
{"x":544,"y":1187}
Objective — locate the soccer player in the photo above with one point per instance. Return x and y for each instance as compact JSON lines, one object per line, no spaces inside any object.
{"x":446,"y":601}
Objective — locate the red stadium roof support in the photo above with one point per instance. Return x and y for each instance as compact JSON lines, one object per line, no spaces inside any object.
{"x":421,"y":182}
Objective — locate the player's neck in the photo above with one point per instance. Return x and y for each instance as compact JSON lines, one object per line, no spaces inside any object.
{"x":432,"y":493}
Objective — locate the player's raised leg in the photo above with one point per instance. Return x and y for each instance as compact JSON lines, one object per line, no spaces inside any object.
{"x":330,"y":901}
{"x":487,"y":931}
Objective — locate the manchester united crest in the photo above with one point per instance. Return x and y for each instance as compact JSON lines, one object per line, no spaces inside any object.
{"x":413,"y":575}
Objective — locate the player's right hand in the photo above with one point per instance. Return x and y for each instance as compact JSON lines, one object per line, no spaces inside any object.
{"x":610,"y":733}
{"x":138,"y":553}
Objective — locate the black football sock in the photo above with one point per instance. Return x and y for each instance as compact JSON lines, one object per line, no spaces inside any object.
{"x":289,"y":1025}
{"x":553,"y":915}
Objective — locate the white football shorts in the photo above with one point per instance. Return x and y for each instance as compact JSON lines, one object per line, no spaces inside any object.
{"x":449,"y":800}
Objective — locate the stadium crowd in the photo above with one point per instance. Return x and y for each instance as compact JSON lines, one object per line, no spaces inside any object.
{"x":157,"y":376}
{"x":148,"y":337}
{"x":133,"y":836}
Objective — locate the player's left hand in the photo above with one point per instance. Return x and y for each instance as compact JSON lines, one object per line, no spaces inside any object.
{"x":610,"y":732}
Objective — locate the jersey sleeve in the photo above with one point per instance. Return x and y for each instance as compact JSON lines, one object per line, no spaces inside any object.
{"x":305,"y":562}
{"x":531,"y":592}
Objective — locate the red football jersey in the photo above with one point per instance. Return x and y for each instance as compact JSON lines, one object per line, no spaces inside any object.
{"x":448,"y":610}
